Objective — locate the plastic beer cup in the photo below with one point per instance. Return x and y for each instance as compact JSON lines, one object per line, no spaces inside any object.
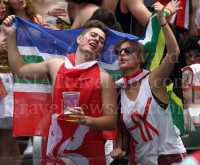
{"x":71,"y":100}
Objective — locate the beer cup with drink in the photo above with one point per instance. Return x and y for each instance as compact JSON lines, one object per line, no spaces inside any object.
{"x":71,"y":100}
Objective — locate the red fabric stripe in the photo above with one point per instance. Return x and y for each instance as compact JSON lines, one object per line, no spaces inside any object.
{"x":71,"y":58}
{"x":110,"y":135}
{"x":137,"y":124}
{"x":126,"y":79}
{"x":122,"y":119}
{"x":163,"y":2}
{"x":123,"y":123}
{"x":136,"y":74}
{"x":32,"y":113}
{"x":181,"y":14}
{"x":144,"y":120}
{"x":196,"y":155}
{"x":146,"y":75}
{"x":170,"y":158}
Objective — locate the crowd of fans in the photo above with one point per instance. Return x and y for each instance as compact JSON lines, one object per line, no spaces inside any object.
{"x":128,"y":16}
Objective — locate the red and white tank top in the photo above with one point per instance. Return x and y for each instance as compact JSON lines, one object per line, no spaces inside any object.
{"x":151,"y":127}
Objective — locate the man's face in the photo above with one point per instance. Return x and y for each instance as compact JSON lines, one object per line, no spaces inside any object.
{"x":94,"y":41}
{"x":192,"y":57}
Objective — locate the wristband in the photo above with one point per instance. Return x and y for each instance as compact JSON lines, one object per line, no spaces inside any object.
{"x":167,"y":12}
{"x":164,"y":24}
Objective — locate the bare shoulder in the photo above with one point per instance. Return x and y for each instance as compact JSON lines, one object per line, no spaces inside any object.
{"x":55,"y":61}
{"x":90,"y":7}
{"x":54,"y":64}
{"x":87,"y":12}
{"x":106,"y":79}
{"x":131,"y":2}
{"x":104,"y":73}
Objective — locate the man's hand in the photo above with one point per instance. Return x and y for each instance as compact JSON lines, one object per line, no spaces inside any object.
{"x":173,"y":6}
{"x":7,"y":28}
{"x":82,"y":119}
{"x":117,"y":153}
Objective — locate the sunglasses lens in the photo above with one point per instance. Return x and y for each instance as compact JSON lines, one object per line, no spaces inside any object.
{"x":198,"y":56}
{"x":189,"y":55}
{"x":118,"y":51}
{"x":129,"y":50}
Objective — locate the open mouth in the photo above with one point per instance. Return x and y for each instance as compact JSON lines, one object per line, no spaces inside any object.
{"x":3,"y":12}
{"x":21,"y":3}
{"x":93,"y":45}
{"x":122,"y":60}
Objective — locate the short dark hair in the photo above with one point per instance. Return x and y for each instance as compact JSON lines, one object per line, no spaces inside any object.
{"x":188,"y":43}
{"x":96,"y":2}
{"x":137,"y":45}
{"x":185,"y":45}
{"x":108,"y":18}
{"x":94,"y":24}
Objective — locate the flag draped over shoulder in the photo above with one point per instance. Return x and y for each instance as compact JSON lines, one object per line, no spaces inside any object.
{"x":32,"y":109}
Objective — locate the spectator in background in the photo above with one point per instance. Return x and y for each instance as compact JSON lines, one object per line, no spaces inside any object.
{"x":81,"y":10}
{"x":8,"y":144}
{"x":149,"y":3}
{"x":108,"y":18}
{"x":50,"y":7}
{"x":128,"y":12}
{"x":189,"y":54}
{"x":188,"y":47}
{"x":192,"y":25}
{"x":24,"y":9}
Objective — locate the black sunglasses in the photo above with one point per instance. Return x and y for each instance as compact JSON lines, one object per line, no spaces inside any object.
{"x":128,"y":50}
{"x":189,"y":56}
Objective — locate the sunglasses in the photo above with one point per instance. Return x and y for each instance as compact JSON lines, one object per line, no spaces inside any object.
{"x":189,"y":56}
{"x":128,"y":50}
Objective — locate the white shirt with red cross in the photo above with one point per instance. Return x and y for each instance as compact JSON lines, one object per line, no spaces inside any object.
{"x":151,"y":127}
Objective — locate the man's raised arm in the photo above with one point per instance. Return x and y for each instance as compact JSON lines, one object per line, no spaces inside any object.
{"x":15,"y":61}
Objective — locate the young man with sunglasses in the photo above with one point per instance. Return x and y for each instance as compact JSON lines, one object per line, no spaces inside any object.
{"x":144,"y":103}
{"x":78,"y":72}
